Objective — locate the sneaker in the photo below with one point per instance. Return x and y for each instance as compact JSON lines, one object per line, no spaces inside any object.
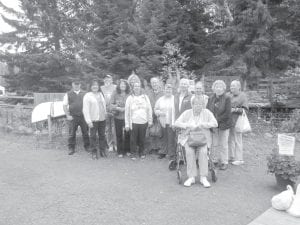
{"x":223,"y":166}
{"x":204,"y":182}
{"x":128,"y":154}
{"x":143,"y":156}
{"x":237,"y":162}
{"x":120,"y":156}
{"x":133,"y":158}
{"x":189,"y":182}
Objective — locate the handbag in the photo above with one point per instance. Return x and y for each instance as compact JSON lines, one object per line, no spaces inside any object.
{"x":242,"y":124}
{"x":156,"y":130}
{"x":196,"y":139}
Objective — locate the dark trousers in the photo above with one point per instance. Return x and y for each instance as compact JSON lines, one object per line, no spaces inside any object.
{"x":169,"y":142}
{"x":137,"y":138}
{"x":98,"y":127}
{"x":73,"y":125}
{"x":123,"y":137}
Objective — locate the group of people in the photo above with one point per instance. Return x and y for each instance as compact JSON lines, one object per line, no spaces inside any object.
{"x":138,"y":117}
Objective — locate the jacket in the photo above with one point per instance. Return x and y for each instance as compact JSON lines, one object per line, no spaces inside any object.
{"x":221,"y":108}
{"x":186,"y":104}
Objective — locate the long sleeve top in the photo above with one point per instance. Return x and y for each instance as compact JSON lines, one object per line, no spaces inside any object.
{"x":165,"y":106}
{"x":138,"y":110}
{"x":94,"y":107}
{"x":204,"y":121}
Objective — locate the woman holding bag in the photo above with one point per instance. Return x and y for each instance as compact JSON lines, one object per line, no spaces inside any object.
{"x":239,"y":104}
{"x":165,"y":112}
{"x":197,"y":120}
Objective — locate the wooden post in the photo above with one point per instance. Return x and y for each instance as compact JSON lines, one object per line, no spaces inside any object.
{"x":49,"y":128}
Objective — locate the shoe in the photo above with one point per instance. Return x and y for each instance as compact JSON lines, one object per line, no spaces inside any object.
{"x":71,"y":151}
{"x":120,"y":156}
{"x":143,"y":156}
{"x":161,"y":156}
{"x":223,"y":166}
{"x":237,"y":162}
{"x":204,"y":182}
{"x":189,"y":182}
{"x":133,"y":158}
{"x":128,"y":154}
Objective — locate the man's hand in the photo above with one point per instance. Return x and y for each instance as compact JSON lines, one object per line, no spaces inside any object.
{"x":69,"y":117}
{"x":150,"y":124}
{"x":127,"y":129}
{"x":90,"y":125}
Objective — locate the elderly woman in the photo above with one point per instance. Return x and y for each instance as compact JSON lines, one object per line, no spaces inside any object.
{"x":138,"y":116}
{"x":200,"y":119}
{"x":117,"y":105}
{"x":165,"y":111}
{"x":220,"y":105}
{"x":239,"y":103}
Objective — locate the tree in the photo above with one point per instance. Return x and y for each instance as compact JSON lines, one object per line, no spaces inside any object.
{"x":253,"y":45}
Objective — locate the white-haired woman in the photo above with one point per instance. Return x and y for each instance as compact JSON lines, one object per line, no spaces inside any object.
{"x":200,"y":119}
{"x":138,"y":116}
{"x":239,"y":102}
{"x":220,"y":105}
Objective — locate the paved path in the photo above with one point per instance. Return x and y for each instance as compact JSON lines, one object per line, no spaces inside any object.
{"x":46,"y":186}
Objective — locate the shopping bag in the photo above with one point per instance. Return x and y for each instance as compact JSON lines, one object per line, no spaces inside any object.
{"x":294,"y":210}
{"x":284,"y":200}
{"x":156,"y":130}
{"x":242,"y":124}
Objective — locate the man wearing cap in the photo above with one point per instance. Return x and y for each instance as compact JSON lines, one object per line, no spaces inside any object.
{"x":108,"y":89}
{"x":72,"y":104}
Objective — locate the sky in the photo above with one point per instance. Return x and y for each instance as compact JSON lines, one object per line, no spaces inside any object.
{"x":4,"y":27}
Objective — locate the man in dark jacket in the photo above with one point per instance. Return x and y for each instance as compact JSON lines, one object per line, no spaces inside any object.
{"x":72,"y":105}
{"x":183,"y":98}
{"x":220,"y":105}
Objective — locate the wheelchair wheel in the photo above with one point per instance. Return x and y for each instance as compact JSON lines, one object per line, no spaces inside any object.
{"x":179,"y":177}
{"x":172,"y":165}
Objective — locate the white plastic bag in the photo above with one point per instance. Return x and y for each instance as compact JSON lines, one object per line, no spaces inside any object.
{"x":294,"y":210}
{"x":242,"y":124}
{"x":284,"y":200}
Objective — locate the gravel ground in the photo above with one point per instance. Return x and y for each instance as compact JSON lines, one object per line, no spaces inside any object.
{"x":42,"y":185}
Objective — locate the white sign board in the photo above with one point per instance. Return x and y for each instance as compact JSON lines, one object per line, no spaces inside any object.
{"x":286,"y":144}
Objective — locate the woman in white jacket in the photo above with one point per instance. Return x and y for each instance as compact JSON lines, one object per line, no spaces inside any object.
{"x":94,"y":111}
{"x":194,"y":119}
{"x":165,"y":111}
{"x":138,"y":116}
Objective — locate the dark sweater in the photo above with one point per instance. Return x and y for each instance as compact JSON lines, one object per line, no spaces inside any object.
{"x":75,"y":103}
{"x":221,"y":108}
